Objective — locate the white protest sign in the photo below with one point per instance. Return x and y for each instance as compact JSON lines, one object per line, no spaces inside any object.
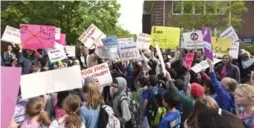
{"x":203,"y":65}
{"x":230,"y":32}
{"x":70,"y":50}
{"x":193,"y":39}
{"x":129,"y":51}
{"x":125,"y":40}
{"x":143,"y":41}
{"x":100,"y":73}
{"x":160,"y":58}
{"x":109,"y":52}
{"x":37,"y":84}
{"x":57,"y":53}
{"x":58,"y":34}
{"x":92,"y":36}
{"x":11,"y":35}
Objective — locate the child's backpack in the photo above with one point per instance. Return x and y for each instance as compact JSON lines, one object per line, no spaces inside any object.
{"x":107,"y":118}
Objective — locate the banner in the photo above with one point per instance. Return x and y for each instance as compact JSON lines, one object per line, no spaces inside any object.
{"x":100,"y":73}
{"x":203,"y":65}
{"x":129,"y":51}
{"x":62,"y":39}
{"x":143,"y":41}
{"x":108,"y":52}
{"x":92,"y":36}
{"x":70,"y":50}
{"x":58,"y":34}
{"x":188,"y":60}
{"x":57,"y":53}
{"x":230,"y":33}
{"x":10,"y":79}
{"x":166,"y":37}
{"x":193,"y":39}
{"x":221,"y":46}
{"x":163,"y":67}
{"x":11,"y":35}
{"x":37,"y":84}
{"x":37,"y":36}
{"x":208,"y":47}
{"x":125,"y":40}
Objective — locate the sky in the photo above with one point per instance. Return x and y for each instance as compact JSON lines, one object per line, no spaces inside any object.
{"x":131,"y":15}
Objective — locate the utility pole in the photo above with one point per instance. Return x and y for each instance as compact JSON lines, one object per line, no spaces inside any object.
{"x":230,"y":14}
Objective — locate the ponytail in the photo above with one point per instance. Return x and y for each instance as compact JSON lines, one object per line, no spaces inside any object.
{"x":73,"y":121}
{"x":44,"y":118}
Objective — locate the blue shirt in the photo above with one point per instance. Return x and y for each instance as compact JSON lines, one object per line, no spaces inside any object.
{"x":171,"y":120}
{"x":147,"y":95}
{"x":89,"y":116}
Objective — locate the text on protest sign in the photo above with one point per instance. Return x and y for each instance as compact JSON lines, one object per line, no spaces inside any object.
{"x":36,"y":84}
{"x":70,"y":50}
{"x":37,"y":36}
{"x":193,"y":39}
{"x":221,"y":46}
{"x":143,"y":41}
{"x":125,"y":40}
{"x":166,"y":37}
{"x":11,"y":35}
{"x":203,"y":65}
{"x":100,"y":73}
{"x":129,"y":51}
{"x":57,"y":53}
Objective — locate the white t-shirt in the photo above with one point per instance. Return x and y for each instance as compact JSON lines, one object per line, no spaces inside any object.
{"x":60,"y":123}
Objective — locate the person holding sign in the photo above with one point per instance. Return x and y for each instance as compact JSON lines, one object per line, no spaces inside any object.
{"x":9,"y":57}
{"x":246,"y":65}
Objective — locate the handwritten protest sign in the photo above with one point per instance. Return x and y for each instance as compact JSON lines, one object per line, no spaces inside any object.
{"x":166,"y":37}
{"x":125,"y":40}
{"x":58,"y":34}
{"x":163,"y":67}
{"x":37,"y":36}
{"x":100,"y":73}
{"x":62,"y":39}
{"x":129,"y":51}
{"x":36,"y":84}
{"x":193,"y":39}
{"x":188,"y":60}
{"x":92,"y":36}
{"x":57,"y":53}
{"x":70,"y":50}
{"x":11,"y":35}
{"x":203,"y":65}
{"x":221,"y":46}
{"x":10,"y":79}
{"x":143,"y":41}
{"x":208,"y":47}
{"x":230,"y":33}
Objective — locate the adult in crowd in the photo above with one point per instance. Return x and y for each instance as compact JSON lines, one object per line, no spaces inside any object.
{"x":8,"y":57}
{"x":27,"y":59}
{"x":246,"y":65}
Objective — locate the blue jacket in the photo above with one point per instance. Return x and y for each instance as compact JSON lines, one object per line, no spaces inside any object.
{"x":224,"y":98}
{"x":171,"y":120}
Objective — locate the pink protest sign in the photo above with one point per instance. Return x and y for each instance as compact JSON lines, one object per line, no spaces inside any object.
{"x":37,"y":36}
{"x":188,"y":60}
{"x":62,"y":39}
{"x":9,"y":86}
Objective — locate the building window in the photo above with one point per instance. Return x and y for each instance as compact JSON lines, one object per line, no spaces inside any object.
{"x":177,"y":7}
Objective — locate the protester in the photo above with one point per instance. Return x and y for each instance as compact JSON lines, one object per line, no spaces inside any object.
{"x":246,"y":65}
{"x":59,"y":111}
{"x":27,"y":59}
{"x":197,"y":90}
{"x":9,"y":57}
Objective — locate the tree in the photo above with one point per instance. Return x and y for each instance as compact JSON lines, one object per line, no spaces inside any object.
{"x":71,"y":16}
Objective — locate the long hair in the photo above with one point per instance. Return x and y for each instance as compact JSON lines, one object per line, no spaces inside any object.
{"x":35,"y":106}
{"x":248,"y":91}
{"x":72,"y":105}
{"x":94,"y":98}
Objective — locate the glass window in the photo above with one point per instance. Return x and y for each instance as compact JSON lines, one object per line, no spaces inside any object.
{"x":188,"y":7}
{"x":177,"y":7}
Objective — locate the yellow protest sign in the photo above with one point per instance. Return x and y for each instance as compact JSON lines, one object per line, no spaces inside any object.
{"x":166,"y":37}
{"x":221,"y":46}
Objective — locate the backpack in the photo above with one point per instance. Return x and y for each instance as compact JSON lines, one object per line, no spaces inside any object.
{"x":107,"y":118}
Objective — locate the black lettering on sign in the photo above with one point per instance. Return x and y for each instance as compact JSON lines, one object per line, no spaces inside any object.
{"x":157,"y":32}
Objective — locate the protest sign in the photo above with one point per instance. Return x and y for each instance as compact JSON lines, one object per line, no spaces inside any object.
{"x":57,"y":53}
{"x":166,"y":37}
{"x":10,"y":81}
{"x":70,"y":50}
{"x":230,"y":33}
{"x":129,"y":51}
{"x":36,"y":84}
{"x":203,"y":65}
{"x":62,"y":39}
{"x":58,"y":34}
{"x":221,"y":46}
{"x":188,"y":60}
{"x":37,"y":36}
{"x":161,"y":59}
{"x":109,"y":41}
{"x":100,"y":73}
{"x":125,"y":40}
{"x":207,"y":43}
{"x":143,"y":41}
{"x":11,"y":35}
{"x":193,"y":39}
{"x":92,"y":36}
{"x":108,"y":52}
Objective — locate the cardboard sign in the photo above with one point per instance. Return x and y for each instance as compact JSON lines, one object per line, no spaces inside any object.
{"x":108,"y":52}
{"x":37,"y":36}
{"x":36,"y":84}
{"x":92,"y":36}
{"x":10,"y":79}
{"x":221,"y":46}
{"x":143,"y":41}
{"x":203,"y":65}
{"x":161,"y":58}
{"x":125,"y":40}
{"x":166,"y":37}
{"x":100,"y":73}
{"x":57,"y":53}
{"x":62,"y":39}
{"x":109,"y":41}
{"x":193,"y":39}
{"x":208,"y":47}
{"x":188,"y":60}
{"x":129,"y":51}
{"x":11,"y":35}
{"x":70,"y":50}
{"x":58,"y":34}
{"x":230,"y":33}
